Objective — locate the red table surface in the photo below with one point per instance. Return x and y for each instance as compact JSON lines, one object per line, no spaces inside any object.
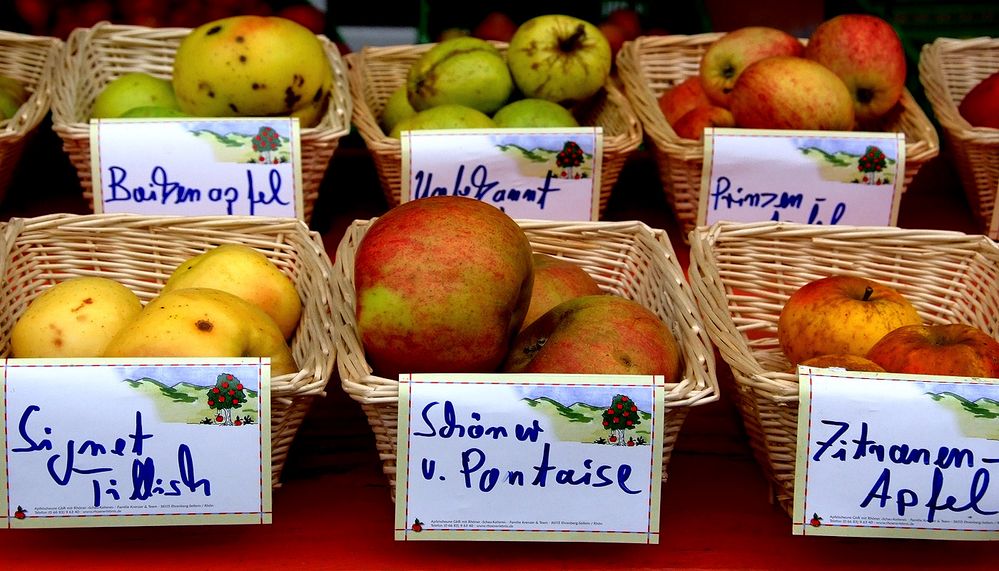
{"x":334,"y":510}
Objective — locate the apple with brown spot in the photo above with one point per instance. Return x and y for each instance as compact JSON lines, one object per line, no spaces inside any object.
{"x":953,"y":349}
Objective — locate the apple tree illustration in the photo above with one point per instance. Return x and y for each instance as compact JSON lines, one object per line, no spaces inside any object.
{"x":871,"y":163}
{"x":621,"y":415}
{"x":570,"y":157}
{"x":265,"y":142}
{"x":224,"y":397}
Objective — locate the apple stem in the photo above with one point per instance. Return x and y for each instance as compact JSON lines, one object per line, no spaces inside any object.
{"x":868,"y":291}
{"x":571,"y":43}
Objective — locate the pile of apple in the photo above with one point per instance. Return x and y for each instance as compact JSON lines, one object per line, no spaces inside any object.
{"x":450,"y":284}
{"x":552,"y":62}
{"x":241,"y":66}
{"x":230,"y":301}
{"x":850,"y":74}
{"x":859,"y":324}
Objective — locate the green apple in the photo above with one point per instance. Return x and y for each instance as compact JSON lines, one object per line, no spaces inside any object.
{"x":153,"y":112}
{"x":464,"y":71}
{"x":132,"y":90}
{"x":15,"y":87}
{"x":396,"y":109}
{"x":532,"y":112}
{"x":444,"y":117}
{"x":559,"y":58}
{"x":9,"y":104}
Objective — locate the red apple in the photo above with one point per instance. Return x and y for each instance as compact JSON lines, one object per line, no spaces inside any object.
{"x":628,"y":21}
{"x":307,"y":15}
{"x":954,"y":349}
{"x":442,"y":285}
{"x":726,"y":58}
{"x":693,"y":123}
{"x":556,"y":280}
{"x":496,"y":26}
{"x":676,"y":101}
{"x":980,"y":106}
{"x":866,"y":53}
{"x":783,"y":92}
{"x":614,"y":34}
{"x":596,"y":334}
{"x":840,"y":314}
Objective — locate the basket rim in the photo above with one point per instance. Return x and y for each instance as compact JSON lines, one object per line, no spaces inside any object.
{"x":359,"y":382}
{"x":38,"y":104}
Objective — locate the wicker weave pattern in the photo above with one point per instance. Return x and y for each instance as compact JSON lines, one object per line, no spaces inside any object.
{"x":31,"y":60}
{"x":626,"y":258}
{"x":948,"y":70}
{"x":649,"y":65}
{"x":140,"y":252}
{"x":96,"y":56}
{"x":743,"y":273}
{"x":375,"y":73}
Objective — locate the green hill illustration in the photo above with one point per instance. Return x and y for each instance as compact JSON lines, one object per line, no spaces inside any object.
{"x":977,"y":419}
{"x":851,"y":168}
{"x":243,"y":148}
{"x":537,"y":162}
{"x":582,"y":422}
{"x":185,"y":402}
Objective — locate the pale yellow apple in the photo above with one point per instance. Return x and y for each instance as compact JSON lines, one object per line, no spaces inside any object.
{"x":203,"y":322}
{"x":74,"y":318}
{"x":247,"y":273}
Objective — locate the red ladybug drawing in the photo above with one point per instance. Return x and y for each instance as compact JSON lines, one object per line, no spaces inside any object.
{"x":816,"y":521}
{"x":21,"y":513}
{"x":417,"y":526}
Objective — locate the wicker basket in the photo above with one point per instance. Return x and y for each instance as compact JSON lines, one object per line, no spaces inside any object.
{"x":948,"y":69}
{"x":30,"y":60}
{"x":649,"y":65}
{"x":96,"y":56}
{"x":626,"y":258}
{"x":743,"y":273}
{"x":141,"y":251}
{"x":375,"y":73}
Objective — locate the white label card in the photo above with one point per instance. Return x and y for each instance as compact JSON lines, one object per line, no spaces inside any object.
{"x":530,"y":457}
{"x":197,"y":167}
{"x":811,"y":177}
{"x":546,"y":174}
{"x":102,"y":442}
{"x":891,"y":455}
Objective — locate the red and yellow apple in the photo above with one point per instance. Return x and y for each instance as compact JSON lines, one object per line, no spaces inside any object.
{"x":840,"y":314}
{"x":866,"y":53}
{"x":442,"y":285}
{"x":597,"y":334}
{"x":727,"y":57}
{"x":556,"y":280}
{"x":495,"y":26}
{"x":954,"y":349}
{"x":980,"y":106}
{"x":682,"y":98}
{"x":693,"y":123}
{"x":784,"y":92}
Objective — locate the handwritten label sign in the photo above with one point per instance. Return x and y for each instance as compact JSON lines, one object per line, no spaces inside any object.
{"x":547,"y":174}
{"x":813,"y":177}
{"x":218,"y":167}
{"x":530,"y":457}
{"x":94,"y":442}
{"x":889,"y":455}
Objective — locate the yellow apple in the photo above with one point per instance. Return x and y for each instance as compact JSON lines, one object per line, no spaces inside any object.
{"x":840,"y":314}
{"x":247,"y":273}
{"x":203,"y":322}
{"x":74,"y":318}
